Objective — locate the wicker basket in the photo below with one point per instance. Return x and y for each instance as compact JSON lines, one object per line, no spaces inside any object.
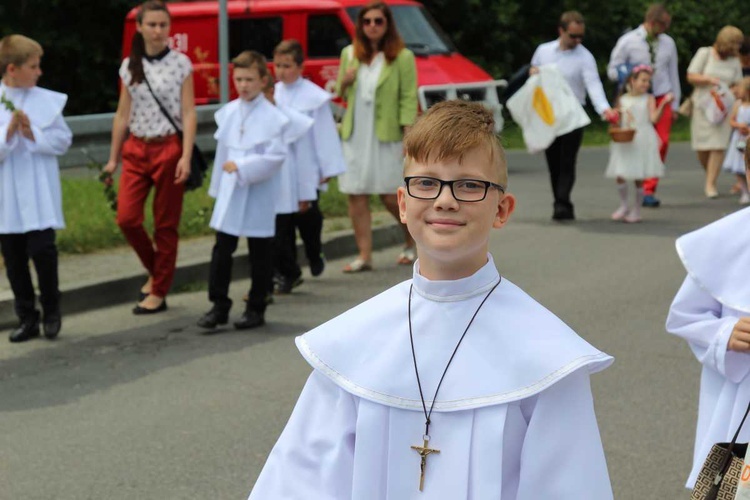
{"x":622,"y":134}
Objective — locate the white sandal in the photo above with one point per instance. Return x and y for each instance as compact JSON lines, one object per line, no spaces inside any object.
{"x":357,"y":266}
{"x":407,"y":256}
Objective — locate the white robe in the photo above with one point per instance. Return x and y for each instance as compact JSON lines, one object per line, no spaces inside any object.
{"x":320,"y":149}
{"x":291,"y":179}
{"x":714,"y":295}
{"x":514,"y":418}
{"x":246,"y":199}
{"x":566,"y":115}
{"x":30,"y":192}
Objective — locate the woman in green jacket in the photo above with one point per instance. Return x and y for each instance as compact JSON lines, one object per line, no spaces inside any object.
{"x":378,"y":80}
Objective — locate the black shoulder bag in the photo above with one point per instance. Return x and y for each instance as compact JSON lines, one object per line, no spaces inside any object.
{"x":198,"y":165}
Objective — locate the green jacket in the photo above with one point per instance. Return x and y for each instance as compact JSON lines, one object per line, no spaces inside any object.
{"x":395,"y":96}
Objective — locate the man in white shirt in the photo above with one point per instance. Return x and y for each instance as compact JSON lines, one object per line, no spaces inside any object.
{"x":578,"y":67}
{"x":649,"y":44}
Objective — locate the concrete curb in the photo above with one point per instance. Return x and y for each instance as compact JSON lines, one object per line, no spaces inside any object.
{"x":111,"y":290}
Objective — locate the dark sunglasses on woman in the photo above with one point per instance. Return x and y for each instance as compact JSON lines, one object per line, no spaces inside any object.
{"x":378,"y":21}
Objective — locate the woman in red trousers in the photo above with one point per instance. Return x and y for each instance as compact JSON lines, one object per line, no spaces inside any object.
{"x":153,"y":154}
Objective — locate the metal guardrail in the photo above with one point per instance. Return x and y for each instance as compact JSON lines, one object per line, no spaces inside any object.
{"x":91,"y":136}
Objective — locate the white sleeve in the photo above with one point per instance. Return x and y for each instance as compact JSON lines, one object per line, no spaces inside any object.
{"x":616,"y":58}
{"x":593,"y":83}
{"x":327,"y":143}
{"x":697,"y":317}
{"x":255,"y":168}
{"x":562,"y":455}
{"x":536,"y":59}
{"x":54,"y":139}
{"x":219,"y":159}
{"x":674,"y":76}
{"x":7,"y":146}
{"x":314,"y":457}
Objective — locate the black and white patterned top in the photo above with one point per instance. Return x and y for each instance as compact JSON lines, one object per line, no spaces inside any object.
{"x":166,"y":72}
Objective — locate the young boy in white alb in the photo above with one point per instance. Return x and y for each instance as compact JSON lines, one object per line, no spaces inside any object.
{"x":33,"y":134}
{"x":249,"y":154}
{"x":454,"y":384}
{"x":319,"y":158}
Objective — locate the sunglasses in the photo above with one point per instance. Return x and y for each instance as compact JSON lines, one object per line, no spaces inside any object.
{"x":377,"y":21}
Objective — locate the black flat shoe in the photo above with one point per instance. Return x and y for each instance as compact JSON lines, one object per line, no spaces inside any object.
{"x":213,"y":318}
{"x":145,"y":310}
{"x":52,"y":324}
{"x":27,"y":330}
{"x":250,"y":319}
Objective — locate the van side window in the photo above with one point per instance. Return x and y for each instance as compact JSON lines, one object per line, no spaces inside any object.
{"x":326,"y":36}
{"x":261,"y":34}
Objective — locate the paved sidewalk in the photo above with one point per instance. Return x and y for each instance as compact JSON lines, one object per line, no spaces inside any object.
{"x":91,"y":281}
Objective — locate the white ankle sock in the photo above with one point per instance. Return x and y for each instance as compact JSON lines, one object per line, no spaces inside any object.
{"x":622,"y":190}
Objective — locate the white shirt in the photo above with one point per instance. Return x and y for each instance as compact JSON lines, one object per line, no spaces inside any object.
{"x":578,"y":67}
{"x":166,"y":75}
{"x":30,"y":192}
{"x":633,"y":49}
{"x":251,"y":135}
{"x":713,"y":297}
{"x":515,"y":399}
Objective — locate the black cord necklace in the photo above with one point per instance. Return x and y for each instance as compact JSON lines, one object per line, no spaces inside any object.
{"x":424,"y":450}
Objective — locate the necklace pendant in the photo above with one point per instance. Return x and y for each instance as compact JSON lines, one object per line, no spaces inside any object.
{"x":423,"y":451}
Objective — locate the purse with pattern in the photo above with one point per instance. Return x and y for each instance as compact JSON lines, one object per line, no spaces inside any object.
{"x":721,"y":471}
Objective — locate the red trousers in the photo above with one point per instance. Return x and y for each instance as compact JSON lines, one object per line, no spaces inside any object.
{"x":146,"y":164}
{"x":663,"y":127}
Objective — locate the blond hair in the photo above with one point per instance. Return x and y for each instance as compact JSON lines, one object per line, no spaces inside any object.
{"x":290,"y":47}
{"x":449,"y":130}
{"x":16,"y":50}
{"x":252,"y":59}
{"x":728,"y":40}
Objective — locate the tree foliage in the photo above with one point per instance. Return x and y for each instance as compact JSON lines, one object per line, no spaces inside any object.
{"x":82,"y":39}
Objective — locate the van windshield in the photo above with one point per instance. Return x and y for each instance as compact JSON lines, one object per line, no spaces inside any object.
{"x":421,"y":33}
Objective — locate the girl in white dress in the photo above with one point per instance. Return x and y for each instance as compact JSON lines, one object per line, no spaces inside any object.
{"x":739,"y":120}
{"x":638,"y":159}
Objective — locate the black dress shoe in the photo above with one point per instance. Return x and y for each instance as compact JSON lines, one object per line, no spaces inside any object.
{"x":52,"y":324}
{"x":145,"y":310}
{"x":317,"y":267}
{"x":28,"y":329}
{"x":213,"y":318}
{"x":286,"y":285}
{"x":250,"y":319}
{"x":563,"y":214}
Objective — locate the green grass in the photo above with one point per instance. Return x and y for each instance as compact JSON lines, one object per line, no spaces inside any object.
{"x":90,"y":223}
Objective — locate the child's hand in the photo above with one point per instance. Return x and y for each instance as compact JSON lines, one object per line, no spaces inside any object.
{"x":745,"y":129}
{"x":612,"y":116}
{"x":349,"y":76}
{"x":229,"y":167}
{"x":323,"y":180}
{"x":667,"y":99}
{"x":25,"y":127}
{"x":740,"y":339}
{"x":14,"y":125}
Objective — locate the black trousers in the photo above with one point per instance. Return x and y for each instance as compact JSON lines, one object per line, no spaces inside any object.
{"x":39,"y":246}
{"x":310,"y":226}
{"x":260,"y":253}
{"x":562,"y":156}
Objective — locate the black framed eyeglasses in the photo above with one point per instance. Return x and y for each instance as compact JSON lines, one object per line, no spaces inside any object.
{"x":469,"y":190}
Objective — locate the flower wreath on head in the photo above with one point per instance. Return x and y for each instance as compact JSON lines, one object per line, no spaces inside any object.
{"x":642,"y":67}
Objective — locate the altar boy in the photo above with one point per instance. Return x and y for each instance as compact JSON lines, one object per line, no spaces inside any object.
{"x":454,"y":384}
{"x":32,"y":135}
{"x":249,"y":153}
{"x":319,"y":156}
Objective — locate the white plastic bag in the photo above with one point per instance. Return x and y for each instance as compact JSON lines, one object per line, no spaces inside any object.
{"x":717,"y":103}
{"x":743,"y":486}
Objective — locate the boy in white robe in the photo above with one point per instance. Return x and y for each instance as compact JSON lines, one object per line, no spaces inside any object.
{"x":712,"y":312}
{"x":33,"y":134}
{"x":319,"y":157}
{"x":249,"y":154}
{"x":455,"y":384}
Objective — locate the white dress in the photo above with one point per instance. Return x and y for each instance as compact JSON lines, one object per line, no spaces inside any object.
{"x":30,"y":192}
{"x":373,"y":167}
{"x":514,"y":418}
{"x":712,"y":298}
{"x":734,"y":161}
{"x":638,"y":159}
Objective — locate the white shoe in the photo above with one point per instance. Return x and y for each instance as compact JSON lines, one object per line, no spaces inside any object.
{"x":633,"y":217}
{"x":745,"y":198}
{"x":620,"y":213}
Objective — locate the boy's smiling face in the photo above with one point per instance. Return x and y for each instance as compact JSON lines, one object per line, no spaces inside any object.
{"x":453,"y":236}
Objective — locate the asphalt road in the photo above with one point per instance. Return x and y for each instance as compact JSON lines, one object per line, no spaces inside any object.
{"x":124,"y":407}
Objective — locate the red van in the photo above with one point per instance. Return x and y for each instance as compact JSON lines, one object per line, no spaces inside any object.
{"x":323,"y":27}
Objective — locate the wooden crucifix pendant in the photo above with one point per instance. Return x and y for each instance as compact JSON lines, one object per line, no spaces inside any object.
{"x":423,"y":452}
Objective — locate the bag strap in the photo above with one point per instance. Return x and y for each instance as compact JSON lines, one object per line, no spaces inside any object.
{"x":166,"y":113}
{"x":713,"y":492}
